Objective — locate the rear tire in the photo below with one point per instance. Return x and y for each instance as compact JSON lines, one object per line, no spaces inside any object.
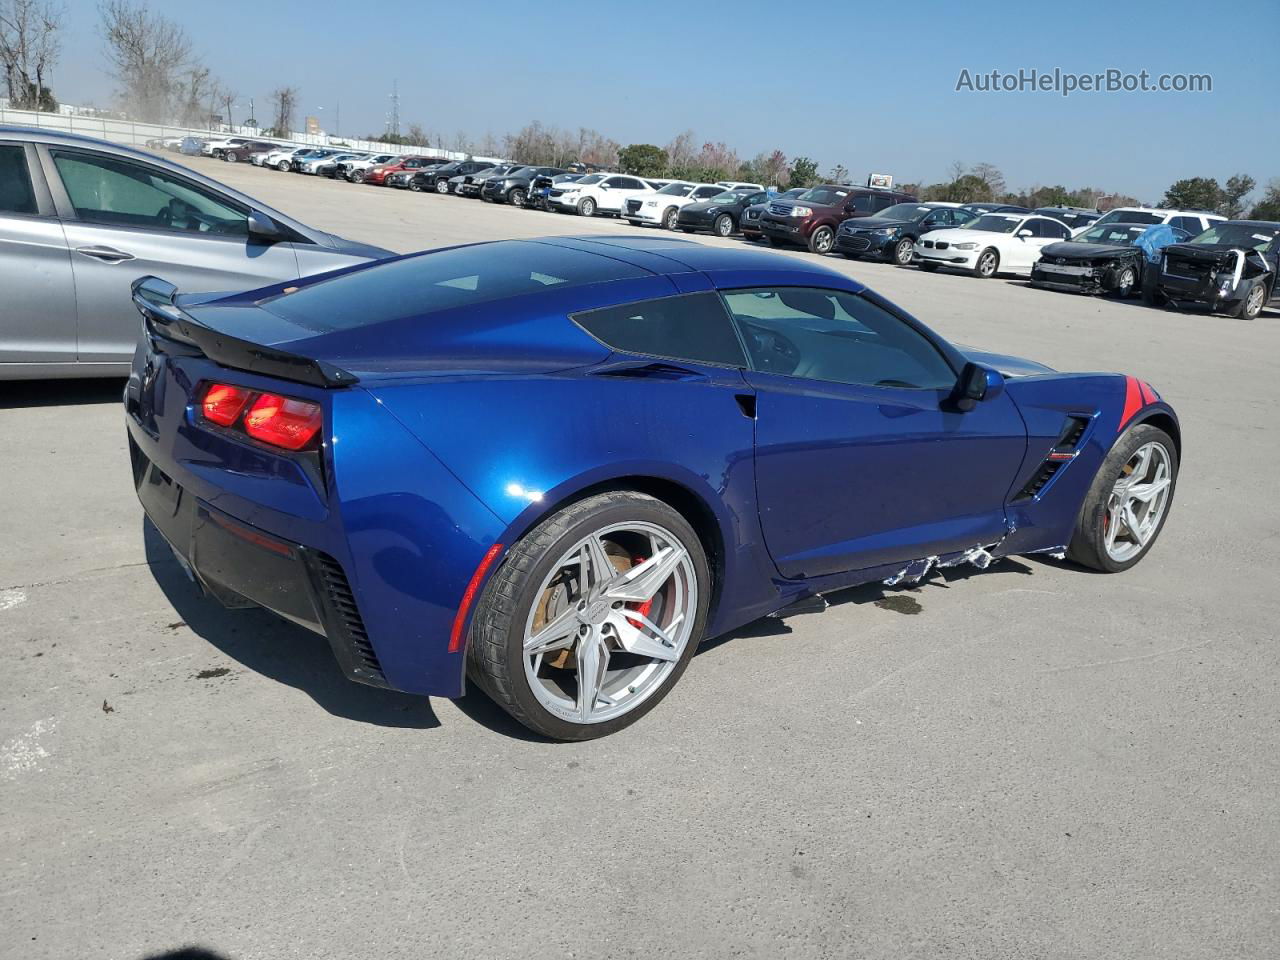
{"x":1107,"y":504}
{"x":540,"y":583}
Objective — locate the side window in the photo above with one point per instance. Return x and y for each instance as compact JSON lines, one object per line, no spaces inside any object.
{"x":1058,"y":231}
{"x":16,"y":195}
{"x":113,"y":190}
{"x":939,"y":218}
{"x":692,"y":327}
{"x":1190,"y":224}
{"x":703,"y":192}
{"x":834,"y":336}
{"x":882,"y":203}
{"x":864,"y":203}
{"x":1033,"y":226}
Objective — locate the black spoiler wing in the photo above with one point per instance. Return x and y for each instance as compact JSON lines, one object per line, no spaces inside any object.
{"x":156,"y":300}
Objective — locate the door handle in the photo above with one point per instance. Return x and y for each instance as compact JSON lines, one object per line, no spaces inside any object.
{"x":105,"y":254}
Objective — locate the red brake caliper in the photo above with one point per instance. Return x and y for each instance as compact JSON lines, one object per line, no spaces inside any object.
{"x":640,"y":608}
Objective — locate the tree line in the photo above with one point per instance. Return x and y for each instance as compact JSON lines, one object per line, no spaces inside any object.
{"x":162,"y":80}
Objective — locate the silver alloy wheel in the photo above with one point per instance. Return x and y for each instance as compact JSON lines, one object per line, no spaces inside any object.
{"x":1253,"y":302}
{"x":1137,"y":503}
{"x":670,"y":217}
{"x":902,"y":252}
{"x":987,"y":264}
{"x":613,"y":618}
{"x":822,"y":240}
{"x":1125,"y":284}
{"x":230,"y":157}
{"x":442,"y":186}
{"x":587,"y":207}
{"x":724,"y":225}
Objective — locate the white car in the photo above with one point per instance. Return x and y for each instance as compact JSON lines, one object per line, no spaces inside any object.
{"x":601,"y":193}
{"x":993,"y":243}
{"x":214,"y":148}
{"x":663,"y":208}
{"x":309,"y":166}
{"x":737,"y":185}
{"x":358,"y":168}
{"x":276,"y":157}
{"x":1192,"y":221}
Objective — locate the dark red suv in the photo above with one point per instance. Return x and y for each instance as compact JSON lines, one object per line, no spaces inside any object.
{"x":811,"y":219}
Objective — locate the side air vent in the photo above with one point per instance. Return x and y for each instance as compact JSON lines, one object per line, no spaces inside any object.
{"x":342,"y":604}
{"x":1063,"y":452}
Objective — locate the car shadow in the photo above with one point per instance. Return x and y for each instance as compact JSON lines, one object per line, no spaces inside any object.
{"x":15,"y":394}
{"x":280,"y":650}
{"x":187,"y":953}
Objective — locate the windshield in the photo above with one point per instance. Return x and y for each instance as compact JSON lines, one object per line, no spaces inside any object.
{"x":729,"y":196}
{"x":591,"y":178}
{"x":905,"y":211}
{"x":826,"y":196}
{"x":1129,"y":216}
{"x":1119,"y":234}
{"x":994,"y":223}
{"x":677,"y":189}
{"x":1251,"y":235}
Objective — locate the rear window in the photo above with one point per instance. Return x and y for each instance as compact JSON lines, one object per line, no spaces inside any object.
{"x":15,"y":182}
{"x":691,"y":327}
{"x":431,"y":282}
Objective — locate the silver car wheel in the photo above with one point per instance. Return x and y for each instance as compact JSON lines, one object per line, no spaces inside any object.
{"x":1137,"y":503}
{"x":612,"y":620}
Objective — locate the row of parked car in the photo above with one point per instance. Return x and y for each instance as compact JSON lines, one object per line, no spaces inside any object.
{"x":1166,"y":255}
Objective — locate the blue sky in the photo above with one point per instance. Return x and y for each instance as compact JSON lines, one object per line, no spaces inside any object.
{"x":870,"y":86}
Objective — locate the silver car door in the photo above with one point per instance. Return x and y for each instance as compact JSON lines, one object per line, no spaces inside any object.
{"x":125,"y":218}
{"x":37,"y":298}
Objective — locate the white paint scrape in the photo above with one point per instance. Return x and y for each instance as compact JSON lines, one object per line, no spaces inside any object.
{"x":24,"y":752}
{"x":11,"y":598}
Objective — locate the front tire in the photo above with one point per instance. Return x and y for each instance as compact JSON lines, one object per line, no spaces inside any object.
{"x":586,"y":207}
{"x":822,"y":240}
{"x":987,"y":265}
{"x":903,"y":251}
{"x":1128,"y":501}
{"x":231,"y":157}
{"x":516,"y":197}
{"x":1125,"y":282}
{"x":1250,"y":307}
{"x":283,"y":166}
{"x":669,"y":217}
{"x":723,"y":226}
{"x":592,"y":617}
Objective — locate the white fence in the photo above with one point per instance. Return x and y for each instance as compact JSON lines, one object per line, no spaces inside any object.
{"x":137,"y":134}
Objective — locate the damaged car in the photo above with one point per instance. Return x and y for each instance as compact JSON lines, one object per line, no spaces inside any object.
{"x":1116,"y":258}
{"x":1231,"y":268}
{"x":735,"y":414}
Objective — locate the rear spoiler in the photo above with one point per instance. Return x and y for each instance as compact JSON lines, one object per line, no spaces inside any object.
{"x":156,"y":300}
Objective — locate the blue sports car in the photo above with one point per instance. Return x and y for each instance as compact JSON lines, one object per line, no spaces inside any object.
{"x":556,"y":465}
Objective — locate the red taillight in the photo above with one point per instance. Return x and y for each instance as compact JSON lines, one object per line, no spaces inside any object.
{"x":283,"y":422}
{"x":222,"y":403}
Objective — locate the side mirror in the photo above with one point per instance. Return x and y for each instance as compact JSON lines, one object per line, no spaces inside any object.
{"x":262,"y":228}
{"x":1024,"y":234}
{"x":976,"y":384}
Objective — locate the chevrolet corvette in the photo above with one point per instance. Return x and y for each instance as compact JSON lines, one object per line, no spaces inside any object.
{"x":555,"y":466}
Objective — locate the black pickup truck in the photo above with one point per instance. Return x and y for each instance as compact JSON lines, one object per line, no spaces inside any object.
{"x":1231,"y":268}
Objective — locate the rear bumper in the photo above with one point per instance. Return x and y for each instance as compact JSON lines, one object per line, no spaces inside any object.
{"x":373,"y":548}
{"x":241,"y":565}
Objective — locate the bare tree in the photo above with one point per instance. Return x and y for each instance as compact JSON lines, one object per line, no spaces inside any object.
{"x":29,"y":47}
{"x":226,"y":102}
{"x":681,"y":151}
{"x":191,"y":91}
{"x":285,"y":102}
{"x":989,"y":174}
{"x":147,"y":52}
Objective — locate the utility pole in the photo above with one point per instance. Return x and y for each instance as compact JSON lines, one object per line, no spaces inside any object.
{"x":393,"y":121}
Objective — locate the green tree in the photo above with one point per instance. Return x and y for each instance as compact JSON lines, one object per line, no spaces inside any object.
{"x":804,"y":172}
{"x":1055,"y":196}
{"x":643,"y":160}
{"x":968,"y":188}
{"x":1194,"y":193}
{"x":1231,"y":203}
{"x":1268,"y":208}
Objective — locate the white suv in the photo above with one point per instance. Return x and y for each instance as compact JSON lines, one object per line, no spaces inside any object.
{"x":663,"y":208}
{"x":215,"y":148}
{"x":601,"y":193}
{"x":357,"y":169}
{"x":1192,"y":221}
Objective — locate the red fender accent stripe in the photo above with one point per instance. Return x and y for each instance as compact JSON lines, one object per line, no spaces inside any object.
{"x":1148,"y":393}
{"x":473,"y":587}
{"x":1133,"y":401}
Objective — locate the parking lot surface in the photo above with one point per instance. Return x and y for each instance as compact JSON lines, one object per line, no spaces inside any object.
{"x":1031,"y":761}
